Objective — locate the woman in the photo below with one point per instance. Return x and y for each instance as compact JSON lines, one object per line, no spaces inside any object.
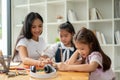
{"x":30,"y":44}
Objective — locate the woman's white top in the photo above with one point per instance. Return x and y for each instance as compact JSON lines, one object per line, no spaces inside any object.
{"x":34,"y":48}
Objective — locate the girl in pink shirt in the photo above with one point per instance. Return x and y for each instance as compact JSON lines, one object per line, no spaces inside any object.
{"x":89,"y":57}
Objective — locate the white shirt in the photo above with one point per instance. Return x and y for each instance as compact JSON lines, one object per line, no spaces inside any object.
{"x":34,"y":48}
{"x":50,"y":51}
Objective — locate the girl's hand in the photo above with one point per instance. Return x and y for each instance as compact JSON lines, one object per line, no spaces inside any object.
{"x":43,"y":57}
{"x":62,"y":66}
{"x":47,"y":61}
{"x":44,"y":60}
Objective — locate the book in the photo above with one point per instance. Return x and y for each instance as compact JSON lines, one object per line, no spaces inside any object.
{"x":117,"y":8}
{"x":71,"y":15}
{"x":98,"y":35}
{"x":92,"y":14}
{"x":117,"y":37}
{"x":99,"y":15}
{"x":101,"y":37}
{"x":95,"y":14}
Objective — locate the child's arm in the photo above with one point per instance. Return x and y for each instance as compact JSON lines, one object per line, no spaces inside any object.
{"x":74,"y":58}
{"x":82,"y":67}
{"x":50,"y":51}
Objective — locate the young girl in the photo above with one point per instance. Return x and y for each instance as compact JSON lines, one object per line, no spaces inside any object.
{"x":30,"y":44}
{"x":62,"y":50}
{"x":92,"y":60}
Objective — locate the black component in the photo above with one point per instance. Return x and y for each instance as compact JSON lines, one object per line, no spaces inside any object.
{"x":48,"y":68}
{"x":33,"y":68}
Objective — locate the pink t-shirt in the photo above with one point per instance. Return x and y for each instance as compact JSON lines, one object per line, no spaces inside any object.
{"x":98,"y":74}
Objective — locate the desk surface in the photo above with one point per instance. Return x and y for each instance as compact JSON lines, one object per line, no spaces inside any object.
{"x":59,"y":76}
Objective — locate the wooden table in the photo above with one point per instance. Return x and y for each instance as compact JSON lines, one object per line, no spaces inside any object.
{"x":59,"y":76}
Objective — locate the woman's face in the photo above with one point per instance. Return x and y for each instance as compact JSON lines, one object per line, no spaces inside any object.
{"x":83,"y":49}
{"x":65,"y":37}
{"x":36,"y":29}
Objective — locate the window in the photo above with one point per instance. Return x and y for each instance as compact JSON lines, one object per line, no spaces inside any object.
{"x":0,"y":25}
{"x":5,"y":31}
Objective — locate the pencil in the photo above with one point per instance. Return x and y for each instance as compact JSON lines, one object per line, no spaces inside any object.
{"x":14,"y":68}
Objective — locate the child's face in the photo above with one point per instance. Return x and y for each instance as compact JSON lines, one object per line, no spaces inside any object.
{"x":65,"y":37}
{"x":83,"y":49}
{"x":36,"y":29}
